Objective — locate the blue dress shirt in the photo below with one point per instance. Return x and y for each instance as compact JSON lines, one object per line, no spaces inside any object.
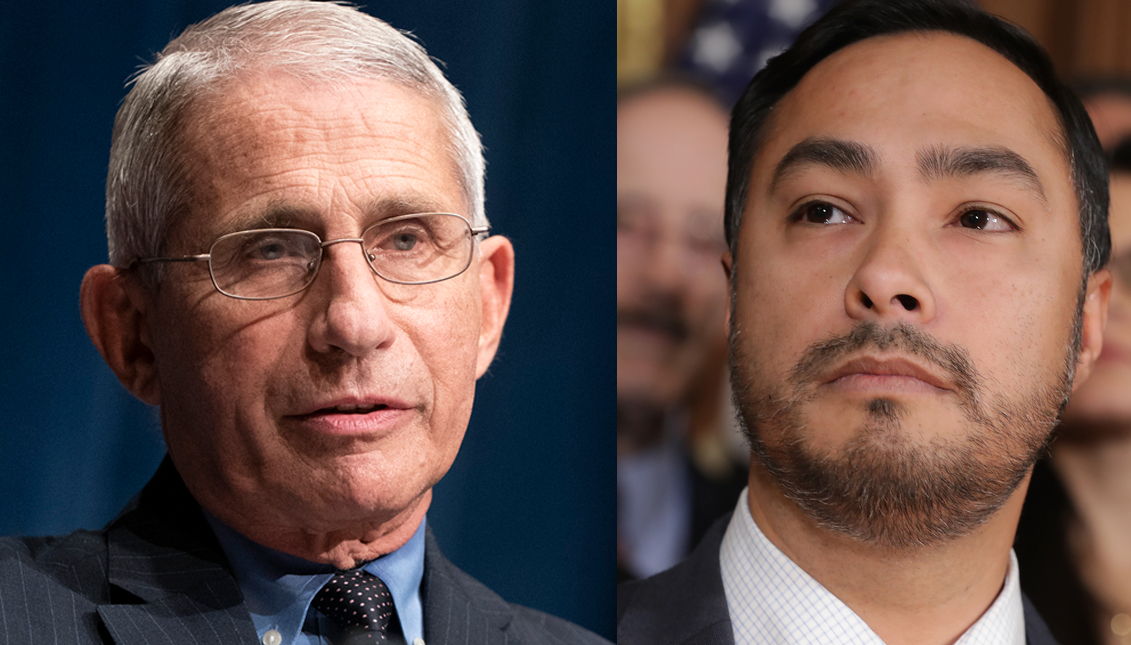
{"x":278,"y":588}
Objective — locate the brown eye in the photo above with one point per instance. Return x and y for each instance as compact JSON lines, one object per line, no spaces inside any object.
{"x":822,"y":213}
{"x":984,"y":220}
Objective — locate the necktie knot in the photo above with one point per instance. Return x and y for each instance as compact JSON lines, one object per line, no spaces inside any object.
{"x":360,"y":603}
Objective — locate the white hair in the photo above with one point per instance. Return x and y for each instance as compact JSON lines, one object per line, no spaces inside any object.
{"x":148,"y":183}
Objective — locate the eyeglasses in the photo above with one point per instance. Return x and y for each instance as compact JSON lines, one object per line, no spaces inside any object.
{"x":264,"y":264}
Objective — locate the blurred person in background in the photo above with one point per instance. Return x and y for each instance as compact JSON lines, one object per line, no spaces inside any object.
{"x":671,"y":334}
{"x":1074,"y":538}
{"x":1108,"y":100}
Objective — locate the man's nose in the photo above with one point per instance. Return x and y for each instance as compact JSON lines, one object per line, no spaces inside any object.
{"x":353,"y":310}
{"x":888,"y":283}
{"x":667,"y":264}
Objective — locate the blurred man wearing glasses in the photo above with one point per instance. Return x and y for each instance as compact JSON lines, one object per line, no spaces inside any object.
{"x":302,"y":279}
{"x":673,"y":477}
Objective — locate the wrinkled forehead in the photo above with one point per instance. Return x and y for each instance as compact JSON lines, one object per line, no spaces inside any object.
{"x":244,"y":136}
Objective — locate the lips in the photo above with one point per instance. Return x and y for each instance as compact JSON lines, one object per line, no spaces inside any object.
{"x":893,"y":371}
{"x":352,"y":409}
{"x":354,"y":416}
{"x":350,"y":404}
{"x":661,"y":320}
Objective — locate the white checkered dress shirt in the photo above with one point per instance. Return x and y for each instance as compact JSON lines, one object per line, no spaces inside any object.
{"x":772,"y":600}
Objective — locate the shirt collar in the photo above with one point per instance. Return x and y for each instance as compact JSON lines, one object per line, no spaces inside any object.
{"x":771,"y":599}
{"x":278,"y":588}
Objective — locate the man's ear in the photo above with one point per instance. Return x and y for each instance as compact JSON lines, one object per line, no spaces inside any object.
{"x":496,"y":282}
{"x":1095,"y":319}
{"x":114,"y":311}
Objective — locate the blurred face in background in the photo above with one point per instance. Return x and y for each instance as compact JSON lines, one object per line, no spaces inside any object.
{"x":671,"y":289}
{"x":1111,"y":116}
{"x":1102,"y":404}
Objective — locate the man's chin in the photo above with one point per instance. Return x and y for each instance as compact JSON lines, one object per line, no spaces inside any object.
{"x":895,"y":488}
{"x":911,"y":420}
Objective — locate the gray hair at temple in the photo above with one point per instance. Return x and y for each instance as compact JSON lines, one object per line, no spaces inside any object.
{"x":148,"y":184}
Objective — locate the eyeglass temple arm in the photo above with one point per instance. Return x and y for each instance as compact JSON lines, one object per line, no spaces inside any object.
{"x":480,"y":230}
{"x":183,"y":258}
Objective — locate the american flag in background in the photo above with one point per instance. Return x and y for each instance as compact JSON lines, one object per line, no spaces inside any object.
{"x":733,"y":39}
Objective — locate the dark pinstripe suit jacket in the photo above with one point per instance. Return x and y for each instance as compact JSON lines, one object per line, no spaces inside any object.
{"x":686,"y":605}
{"x":157,"y":576}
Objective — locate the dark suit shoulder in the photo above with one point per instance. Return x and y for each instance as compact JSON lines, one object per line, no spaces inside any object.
{"x":51,"y":587}
{"x":683,"y":605}
{"x":535,"y":626}
{"x":76,"y":562}
{"x":459,"y":608}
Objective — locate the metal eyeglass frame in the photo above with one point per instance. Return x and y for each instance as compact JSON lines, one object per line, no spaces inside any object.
{"x":473,"y":232}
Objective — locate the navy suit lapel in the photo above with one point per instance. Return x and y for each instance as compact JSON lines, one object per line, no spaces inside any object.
{"x":457,"y":608}
{"x":168,"y":576}
{"x":177,"y":619}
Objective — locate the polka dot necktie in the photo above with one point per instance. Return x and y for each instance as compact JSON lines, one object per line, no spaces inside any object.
{"x":361,"y":604}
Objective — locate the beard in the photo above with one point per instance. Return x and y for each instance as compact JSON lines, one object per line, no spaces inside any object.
{"x":883,"y":487}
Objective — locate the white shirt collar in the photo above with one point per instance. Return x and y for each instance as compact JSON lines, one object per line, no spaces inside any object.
{"x":772,"y":600}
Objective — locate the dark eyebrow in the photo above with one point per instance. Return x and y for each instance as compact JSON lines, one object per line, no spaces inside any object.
{"x":847,"y":157}
{"x":940,"y":162}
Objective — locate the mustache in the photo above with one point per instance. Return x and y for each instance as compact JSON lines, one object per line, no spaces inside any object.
{"x":822,"y":356}
{"x":661,"y":314}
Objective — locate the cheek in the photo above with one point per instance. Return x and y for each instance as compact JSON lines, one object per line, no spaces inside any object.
{"x":708,"y":292}
{"x":628,"y":264}
{"x":784,"y":305}
{"x":444,"y":333}
{"x":226,"y":370}
{"x":1019,"y":329}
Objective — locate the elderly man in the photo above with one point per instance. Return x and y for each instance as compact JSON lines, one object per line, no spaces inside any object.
{"x":302,"y":279}
{"x":671,"y":332}
{"x":917,"y":221}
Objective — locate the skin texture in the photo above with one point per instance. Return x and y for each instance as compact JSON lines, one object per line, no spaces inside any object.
{"x":898,"y":249}
{"x":671,"y":177}
{"x":244,"y":386}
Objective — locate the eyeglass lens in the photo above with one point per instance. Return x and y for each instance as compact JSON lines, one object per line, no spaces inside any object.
{"x":271,"y":263}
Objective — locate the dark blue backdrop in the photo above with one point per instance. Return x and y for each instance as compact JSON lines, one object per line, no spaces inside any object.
{"x":529,"y":506}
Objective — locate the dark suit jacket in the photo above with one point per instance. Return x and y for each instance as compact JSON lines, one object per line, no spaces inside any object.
{"x":686,"y":605}
{"x":156,"y":575}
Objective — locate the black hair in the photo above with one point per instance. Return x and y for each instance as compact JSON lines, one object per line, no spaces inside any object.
{"x":852,"y":21}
